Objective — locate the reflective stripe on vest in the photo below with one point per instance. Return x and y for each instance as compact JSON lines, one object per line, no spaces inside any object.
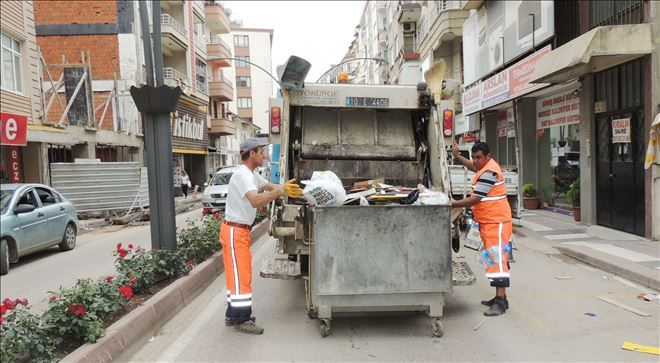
{"x":493,"y":208}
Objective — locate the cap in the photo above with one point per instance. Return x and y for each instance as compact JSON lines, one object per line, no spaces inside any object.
{"x":254,"y":143}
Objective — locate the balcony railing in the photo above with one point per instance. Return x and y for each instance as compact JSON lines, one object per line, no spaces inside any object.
{"x":202,"y":87}
{"x":218,"y":40}
{"x":168,"y":20}
{"x":176,"y":76}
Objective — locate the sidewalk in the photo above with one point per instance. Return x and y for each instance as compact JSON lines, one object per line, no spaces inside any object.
{"x":627,"y":255}
{"x":180,"y":204}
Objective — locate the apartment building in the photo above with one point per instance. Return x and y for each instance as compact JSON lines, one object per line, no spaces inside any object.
{"x":248,"y":109}
{"x":22,"y":149}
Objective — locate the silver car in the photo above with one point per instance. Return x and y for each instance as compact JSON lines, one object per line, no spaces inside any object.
{"x":34,"y":217}
{"x":214,"y":197}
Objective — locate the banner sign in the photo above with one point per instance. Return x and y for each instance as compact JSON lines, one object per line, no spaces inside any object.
{"x":13,"y":129}
{"x":621,"y":131}
{"x":558,"y":109}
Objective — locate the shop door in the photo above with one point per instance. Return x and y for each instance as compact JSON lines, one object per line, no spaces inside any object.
{"x":620,"y":174}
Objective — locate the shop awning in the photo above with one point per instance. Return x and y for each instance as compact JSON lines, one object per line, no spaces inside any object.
{"x":600,"y":48}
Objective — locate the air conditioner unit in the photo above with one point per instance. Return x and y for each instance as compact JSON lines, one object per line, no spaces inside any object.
{"x":409,"y":27}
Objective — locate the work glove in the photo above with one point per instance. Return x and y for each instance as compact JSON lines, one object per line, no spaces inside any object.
{"x":292,"y":190}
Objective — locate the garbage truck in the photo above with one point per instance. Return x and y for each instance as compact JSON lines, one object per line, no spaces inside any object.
{"x":365,"y":258}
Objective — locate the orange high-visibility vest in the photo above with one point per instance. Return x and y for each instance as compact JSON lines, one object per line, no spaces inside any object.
{"x":493,"y":208}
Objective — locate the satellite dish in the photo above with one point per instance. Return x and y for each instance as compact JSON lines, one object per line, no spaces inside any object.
{"x":293,"y":73}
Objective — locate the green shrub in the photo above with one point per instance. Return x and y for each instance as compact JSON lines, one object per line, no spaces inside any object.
{"x":529,"y":190}
{"x":573,"y":194}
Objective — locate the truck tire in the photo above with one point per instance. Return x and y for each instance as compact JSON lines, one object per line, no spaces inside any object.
{"x":4,"y":257}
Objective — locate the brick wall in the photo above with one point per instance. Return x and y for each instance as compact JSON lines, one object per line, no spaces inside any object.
{"x":75,"y":12}
{"x":104,"y":53}
{"x":100,"y":98}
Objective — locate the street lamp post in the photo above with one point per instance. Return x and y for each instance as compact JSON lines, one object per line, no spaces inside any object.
{"x":157,"y":103}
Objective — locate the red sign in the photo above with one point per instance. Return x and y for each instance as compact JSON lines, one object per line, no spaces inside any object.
{"x":521,"y":72}
{"x":14,"y":165}
{"x":13,"y":129}
{"x":469,"y":136}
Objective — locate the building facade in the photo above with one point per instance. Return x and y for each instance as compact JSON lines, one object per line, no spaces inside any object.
{"x":20,"y":97}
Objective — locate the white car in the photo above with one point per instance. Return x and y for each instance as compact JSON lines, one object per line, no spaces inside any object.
{"x":215,"y":194}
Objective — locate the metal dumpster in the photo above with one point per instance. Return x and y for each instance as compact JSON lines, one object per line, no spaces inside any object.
{"x":381,"y":259}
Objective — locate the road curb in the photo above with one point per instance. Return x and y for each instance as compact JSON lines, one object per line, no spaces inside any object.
{"x":156,"y":311}
{"x":615,"y":265}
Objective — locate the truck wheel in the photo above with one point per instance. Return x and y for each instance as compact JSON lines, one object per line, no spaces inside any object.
{"x":4,"y":257}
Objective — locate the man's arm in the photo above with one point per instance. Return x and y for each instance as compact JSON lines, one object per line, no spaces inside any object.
{"x":467,"y":163}
{"x":467,"y":202}
{"x":261,"y":199}
{"x":270,"y":186}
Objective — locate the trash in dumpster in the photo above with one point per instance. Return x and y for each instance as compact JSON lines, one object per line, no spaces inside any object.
{"x":324,"y":188}
{"x":368,"y":183}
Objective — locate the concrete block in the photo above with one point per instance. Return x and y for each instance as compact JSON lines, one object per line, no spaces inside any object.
{"x":167,"y":301}
{"x":200,"y":277}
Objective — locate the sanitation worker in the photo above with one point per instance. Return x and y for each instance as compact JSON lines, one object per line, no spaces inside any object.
{"x":243,"y":199}
{"x":493,"y":213}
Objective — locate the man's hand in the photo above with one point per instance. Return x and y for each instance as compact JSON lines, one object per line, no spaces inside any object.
{"x":292,"y":190}
{"x":454,"y":149}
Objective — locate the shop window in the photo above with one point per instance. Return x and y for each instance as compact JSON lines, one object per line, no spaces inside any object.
{"x":10,"y":64}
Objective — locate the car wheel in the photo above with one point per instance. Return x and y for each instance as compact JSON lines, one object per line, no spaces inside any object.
{"x":69,"y":238}
{"x":4,"y":257}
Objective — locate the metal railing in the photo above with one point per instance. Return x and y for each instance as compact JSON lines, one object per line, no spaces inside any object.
{"x":168,"y":20}
{"x":171,"y":73}
{"x":202,"y":87}
{"x":218,"y":40}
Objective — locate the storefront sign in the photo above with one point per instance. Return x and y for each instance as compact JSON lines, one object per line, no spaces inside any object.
{"x":316,"y":97}
{"x":510,"y":123}
{"x":558,"y":109}
{"x":14,"y":164}
{"x":13,"y":129}
{"x":621,"y":131}
{"x":470,"y":136}
{"x":495,"y":90}
{"x":521,"y":72}
{"x":472,"y":99}
{"x":501,"y":123}
{"x":187,"y":127}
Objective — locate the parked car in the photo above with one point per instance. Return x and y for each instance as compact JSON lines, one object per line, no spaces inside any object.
{"x":214,"y":197}
{"x":34,"y":217}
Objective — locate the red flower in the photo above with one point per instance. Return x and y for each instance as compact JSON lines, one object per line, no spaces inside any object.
{"x":130,"y":246}
{"x":52,"y":298}
{"x":189,"y":262}
{"x":118,"y":246}
{"x":1,"y":319}
{"x":9,"y":304}
{"x":132,"y":280}
{"x":24,"y":302}
{"x":126,"y":292}
{"x":77,"y":310}
{"x":109,"y":279}
{"x":3,"y":309}
{"x":137,"y":250}
{"x":122,"y":254}
{"x":217,"y":216}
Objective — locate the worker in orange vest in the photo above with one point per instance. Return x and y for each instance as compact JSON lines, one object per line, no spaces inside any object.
{"x":493,"y":213}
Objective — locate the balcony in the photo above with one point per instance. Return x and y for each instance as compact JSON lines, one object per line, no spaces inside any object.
{"x":222,"y":126}
{"x":382,"y":38}
{"x":409,"y":12}
{"x":472,"y":4}
{"x":217,"y":48}
{"x":216,"y":18}
{"x":221,"y":88}
{"x":175,"y":78}
{"x":202,"y":87}
{"x":200,"y":45}
{"x":174,"y":34}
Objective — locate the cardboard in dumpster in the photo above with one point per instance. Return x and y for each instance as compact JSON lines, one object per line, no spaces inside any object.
{"x":368,"y":183}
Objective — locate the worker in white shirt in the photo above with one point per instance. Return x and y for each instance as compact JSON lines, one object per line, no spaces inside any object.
{"x":243,"y":199}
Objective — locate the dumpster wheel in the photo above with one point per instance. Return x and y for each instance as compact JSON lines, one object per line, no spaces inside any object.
{"x":325,"y":327}
{"x":438,"y":328}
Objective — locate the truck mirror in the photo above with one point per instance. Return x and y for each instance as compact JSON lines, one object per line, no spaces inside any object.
{"x":293,"y":73}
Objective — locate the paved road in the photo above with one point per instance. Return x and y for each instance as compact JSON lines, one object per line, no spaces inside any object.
{"x":34,"y":275}
{"x":546,"y":322}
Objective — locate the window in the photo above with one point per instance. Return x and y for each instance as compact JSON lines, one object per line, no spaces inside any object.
{"x":241,"y":41}
{"x":200,"y":72}
{"x":244,"y":102}
{"x":10,"y":59}
{"x":28,"y":198}
{"x":243,"y":82}
{"x":240,"y":61}
{"x":46,"y":197}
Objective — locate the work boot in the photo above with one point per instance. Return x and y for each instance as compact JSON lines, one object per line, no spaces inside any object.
{"x":249,"y":327}
{"x":228,"y":321}
{"x":490,"y":302}
{"x":497,"y":308}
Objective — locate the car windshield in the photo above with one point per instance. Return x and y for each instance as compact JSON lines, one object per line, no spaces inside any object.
{"x":221,"y":179}
{"x":5,"y":197}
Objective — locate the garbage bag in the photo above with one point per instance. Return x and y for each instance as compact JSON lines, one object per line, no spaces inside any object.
{"x":324,"y":188}
{"x":429,"y":197}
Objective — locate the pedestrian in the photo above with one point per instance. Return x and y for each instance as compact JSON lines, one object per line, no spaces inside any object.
{"x":493,"y":213}
{"x":243,"y":199}
{"x":185,"y":183}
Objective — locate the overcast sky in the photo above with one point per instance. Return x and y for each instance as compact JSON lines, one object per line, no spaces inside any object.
{"x":318,"y":31}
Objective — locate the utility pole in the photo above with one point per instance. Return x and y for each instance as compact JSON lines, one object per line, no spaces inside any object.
{"x":157,"y":103}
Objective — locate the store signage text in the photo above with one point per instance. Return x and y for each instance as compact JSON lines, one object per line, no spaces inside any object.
{"x":13,"y":129}
{"x":472,"y":99}
{"x":521,"y":72}
{"x":14,"y":165}
{"x":495,"y":90}
{"x":621,"y":131}
{"x":318,"y":97}
{"x":188,"y":127}
{"x":558,"y":109}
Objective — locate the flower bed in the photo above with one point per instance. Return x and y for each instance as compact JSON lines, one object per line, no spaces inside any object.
{"x":81,"y":313}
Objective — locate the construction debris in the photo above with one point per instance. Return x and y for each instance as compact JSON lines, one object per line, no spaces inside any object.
{"x":623,"y":306}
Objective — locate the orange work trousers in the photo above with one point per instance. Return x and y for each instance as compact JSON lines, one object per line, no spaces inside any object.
{"x":237,"y":257}
{"x":497,"y":235}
